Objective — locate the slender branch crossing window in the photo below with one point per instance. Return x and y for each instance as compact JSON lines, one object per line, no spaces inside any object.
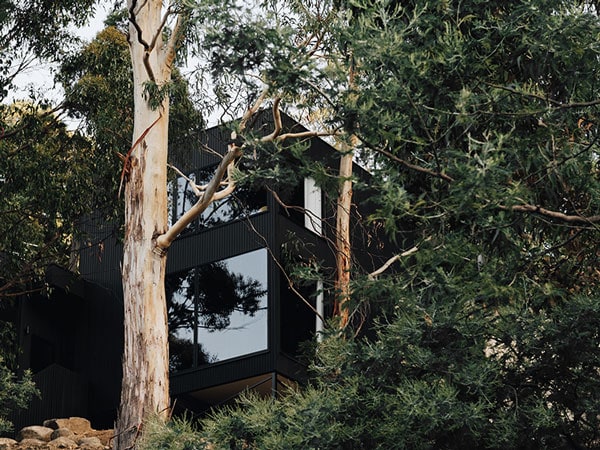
{"x":244,"y":202}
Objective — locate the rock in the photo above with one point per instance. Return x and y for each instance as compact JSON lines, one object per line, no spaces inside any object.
{"x":90,"y":443}
{"x":35,"y":432}
{"x":62,"y":432}
{"x":77,"y":425}
{"x":74,"y":433}
{"x":105,"y":436}
{"x":32,"y":444}
{"x":62,"y":442}
{"x":6,"y":443}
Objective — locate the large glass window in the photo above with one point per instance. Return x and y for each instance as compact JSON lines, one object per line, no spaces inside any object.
{"x":244,"y":202}
{"x":218,"y":311}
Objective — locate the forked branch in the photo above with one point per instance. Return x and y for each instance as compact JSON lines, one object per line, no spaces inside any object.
{"x":147,"y":47}
{"x":212,"y":191}
{"x":210,"y":194}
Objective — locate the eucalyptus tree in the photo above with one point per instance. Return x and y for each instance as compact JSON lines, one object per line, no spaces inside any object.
{"x":479,"y":120}
{"x":156,"y":32}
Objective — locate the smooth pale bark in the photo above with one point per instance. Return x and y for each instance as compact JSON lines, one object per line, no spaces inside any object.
{"x":145,"y":387}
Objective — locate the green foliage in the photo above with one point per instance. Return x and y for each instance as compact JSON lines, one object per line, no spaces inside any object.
{"x":479,"y":123}
{"x":15,"y":394}
{"x":177,"y":434}
{"x":478,"y":120}
{"x":47,"y":183}
{"x":36,"y":28}
{"x":438,"y":377}
{"x":99,"y":75}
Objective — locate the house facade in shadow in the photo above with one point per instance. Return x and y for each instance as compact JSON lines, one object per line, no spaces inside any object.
{"x":236,"y":319}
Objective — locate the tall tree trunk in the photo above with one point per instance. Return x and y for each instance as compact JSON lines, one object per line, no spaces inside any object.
{"x":145,"y":386}
{"x":343,"y":249}
{"x":344,"y":205}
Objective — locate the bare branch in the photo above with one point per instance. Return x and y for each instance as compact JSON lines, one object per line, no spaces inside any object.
{"x":138,"y":30}
{"x":321,"y":93}
{"x":555,"y":103}
{"x":159,"y":30}
{"x":164,"y":240}
{"x":230,"y":185}
{"x":276,"y":122}
{"x":390,"y":261}
{"x":193,"y":185}
{"x":252,"y":110}
{"x":147,"y":47}
{"x":285,"y":274}
{"x":408,"y":165}
{"x":174,"y":39}
{"x":526,"y":208}
{"x":127,"y":158}
{"x":308,"y":134}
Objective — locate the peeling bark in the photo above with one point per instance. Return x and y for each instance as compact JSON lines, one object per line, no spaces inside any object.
{"x":343,"y":249}
{"x":145,"y":386}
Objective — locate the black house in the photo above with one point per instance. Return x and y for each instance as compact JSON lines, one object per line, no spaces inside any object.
{"x":70,"y":337}
{"x":235,"y":322}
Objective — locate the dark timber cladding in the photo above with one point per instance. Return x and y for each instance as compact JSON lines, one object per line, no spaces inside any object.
{"x":269,"y":229}
{"x":218,"y":243}
{"x":234,"y":321}
{"x":217,"y":139}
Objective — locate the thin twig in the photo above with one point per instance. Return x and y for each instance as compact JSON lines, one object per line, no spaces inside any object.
{"x":283,"y":271}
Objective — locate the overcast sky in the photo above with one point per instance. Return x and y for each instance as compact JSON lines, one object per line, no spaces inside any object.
{"x":39,"y":75}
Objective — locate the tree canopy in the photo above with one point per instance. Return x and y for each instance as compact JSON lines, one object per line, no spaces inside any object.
{"x":478,"y":121}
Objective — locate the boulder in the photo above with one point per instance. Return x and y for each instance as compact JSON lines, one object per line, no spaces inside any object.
{"x":77,"y":425}
{"x":6,"y":443}
{"x":74,"y":433}
{"x":35,"y":432}
{"x":62,"y":442}
{"x":105,"y":436}
{"x":32,"y":444}
{"x":90,"y":443}
{"x":62,"y":432}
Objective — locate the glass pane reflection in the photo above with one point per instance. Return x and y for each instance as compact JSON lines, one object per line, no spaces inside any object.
{"x":244,"y":202}
{"x":218,"y":311}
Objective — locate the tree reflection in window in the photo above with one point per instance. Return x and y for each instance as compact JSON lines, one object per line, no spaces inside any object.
{"x":217,"y":311}
{"x":244,"y":202}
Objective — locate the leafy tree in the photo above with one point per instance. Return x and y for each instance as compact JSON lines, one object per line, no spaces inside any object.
{"x":45,"y":181}
{"x":39,"y":202}
{"x":47,"y":176}
{"x":478,"y":120}
{"x":36,"y":29}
